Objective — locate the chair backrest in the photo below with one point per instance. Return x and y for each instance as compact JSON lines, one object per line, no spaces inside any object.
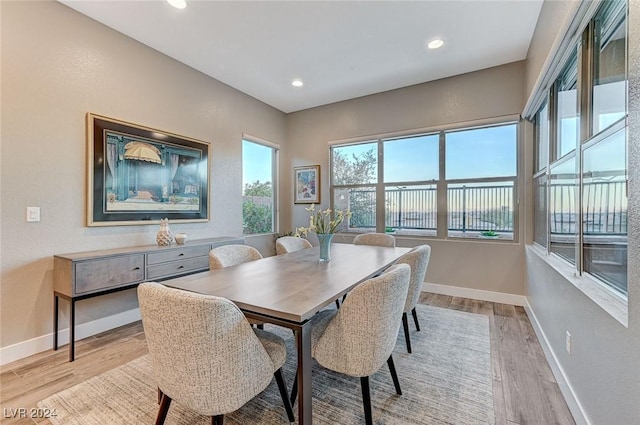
{"x":203,"y":351}
{"x":287,"y":244}
{"x":363,"y":333}
{"x":377,"y":239}
{"x":230,"y":255}
{"x":418,"y":260}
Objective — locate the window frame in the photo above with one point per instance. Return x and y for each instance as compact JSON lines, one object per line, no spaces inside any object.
{"x":588,"y":48}
{"x":441,"y":184}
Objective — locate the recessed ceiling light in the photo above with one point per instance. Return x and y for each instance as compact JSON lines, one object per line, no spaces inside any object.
{"x":435,"y":44}
{"x":178,"y":4}
{"x":297,"y":83}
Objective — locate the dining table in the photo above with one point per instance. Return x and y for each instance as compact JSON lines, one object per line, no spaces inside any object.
{"x":288,"y":290}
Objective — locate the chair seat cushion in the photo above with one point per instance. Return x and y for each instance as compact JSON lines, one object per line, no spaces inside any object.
{"x":275,"y":347}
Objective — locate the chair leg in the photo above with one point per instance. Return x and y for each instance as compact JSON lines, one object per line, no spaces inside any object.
{"x":415,"y":319}
{"x":282,"y":386}
{"x":366,"y":400}
{"x":163,"y":410}
{"x":338,"y":304}
{"x":405,"y":325}
{"x":394,"y":375}
{"x":160,"y":393}
{"x":294,"y":390}
{"x":217,"y":420}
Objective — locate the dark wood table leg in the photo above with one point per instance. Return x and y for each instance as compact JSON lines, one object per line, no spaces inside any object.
{"x":303,"y":342}
{"x":55,"y":321}
{"x":72,"y":329}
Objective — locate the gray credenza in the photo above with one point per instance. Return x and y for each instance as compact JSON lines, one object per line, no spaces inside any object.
{"x":84,"y":275}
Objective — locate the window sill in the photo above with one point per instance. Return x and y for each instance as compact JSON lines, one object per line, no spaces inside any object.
{"x":614,"y":304}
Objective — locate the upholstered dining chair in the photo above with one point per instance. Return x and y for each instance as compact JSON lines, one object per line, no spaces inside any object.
{"x":204,"y":353}
{"x":418,"y":260}
{"x":378,"y":239}
{"x":287,"y":244}
{"x":357,"y":339}
{"x":230,"y":255}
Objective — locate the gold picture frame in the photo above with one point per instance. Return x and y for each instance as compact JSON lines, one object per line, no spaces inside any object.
{"x":306,"y":184}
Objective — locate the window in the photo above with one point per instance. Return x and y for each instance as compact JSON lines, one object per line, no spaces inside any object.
{"x":609,"y":67}
{"x":542,"y":137}
{"x":563,"y":213}
{"x":391,"y":185}
{"x":258,"y":192}
{"x":481,"y":170}
{"x":567,"y":117}
{"x":580,"y":197}
{"x":604,"y":201}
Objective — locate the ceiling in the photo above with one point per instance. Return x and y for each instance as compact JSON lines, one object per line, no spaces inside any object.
{"x":339,"y":49}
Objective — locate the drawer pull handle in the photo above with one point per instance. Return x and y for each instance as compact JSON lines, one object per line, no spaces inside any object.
{"x":181,"y":267}
{"x":137,"y":268}
{"x":181,"y":254}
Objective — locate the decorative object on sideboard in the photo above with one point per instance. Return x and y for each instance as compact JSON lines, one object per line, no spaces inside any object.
{"x":164,"y":236}
{"x":181,"y":238}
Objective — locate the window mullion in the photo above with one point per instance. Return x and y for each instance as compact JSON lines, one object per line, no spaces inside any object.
{"x":381,"y":208}
{"x":442,"y":221}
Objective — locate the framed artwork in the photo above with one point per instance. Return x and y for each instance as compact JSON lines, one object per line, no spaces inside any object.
{"x":139,"y":175}
{"x":306,"y":184}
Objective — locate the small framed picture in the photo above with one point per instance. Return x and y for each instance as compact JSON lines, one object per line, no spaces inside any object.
{"x":306,"y":184}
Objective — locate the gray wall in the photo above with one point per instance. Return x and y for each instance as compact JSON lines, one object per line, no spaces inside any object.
{"x":493,"y":92}
{"x":603,"y":370}
{"x":57,"y":65}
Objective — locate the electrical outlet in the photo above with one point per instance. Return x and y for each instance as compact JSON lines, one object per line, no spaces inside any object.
{"x":33,"y":214}
{"x":568,"y":342}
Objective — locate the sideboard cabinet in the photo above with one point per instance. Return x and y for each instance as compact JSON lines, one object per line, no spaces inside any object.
{"x":84,"y":275}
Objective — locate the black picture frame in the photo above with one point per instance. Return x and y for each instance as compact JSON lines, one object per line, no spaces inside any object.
{"x":139,"y":175}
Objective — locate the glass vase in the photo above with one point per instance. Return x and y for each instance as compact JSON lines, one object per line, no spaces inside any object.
{"x":325,"y":246}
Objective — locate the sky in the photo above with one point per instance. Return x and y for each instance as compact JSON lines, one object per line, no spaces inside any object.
{"x":256,"y":163}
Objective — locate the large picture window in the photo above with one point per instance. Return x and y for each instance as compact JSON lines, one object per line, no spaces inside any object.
{"x":392,"y":184}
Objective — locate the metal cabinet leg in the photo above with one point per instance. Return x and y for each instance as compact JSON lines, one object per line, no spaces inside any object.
{"x":55,"y":321}
{"x":72,"y":330}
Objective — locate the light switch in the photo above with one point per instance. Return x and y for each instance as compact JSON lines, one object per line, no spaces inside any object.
{"x":33,"y":214}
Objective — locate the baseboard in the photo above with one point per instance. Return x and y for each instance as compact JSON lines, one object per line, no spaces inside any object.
{"x":565,"y":386}
{"x":42,"y":343}
{"x":476,"y":294}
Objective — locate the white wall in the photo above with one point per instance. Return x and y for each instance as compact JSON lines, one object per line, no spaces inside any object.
{"x":57,"y":65}
{"x":493,"y":92}
{"x":601,"y":378}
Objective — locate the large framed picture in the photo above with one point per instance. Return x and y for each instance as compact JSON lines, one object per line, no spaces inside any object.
{"x":139,"y":175}
{"x":306,"y":184}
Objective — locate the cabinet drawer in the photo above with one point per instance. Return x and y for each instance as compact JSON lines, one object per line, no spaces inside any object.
{"x":178,"y":267}
{"x":177,"y":254}
{"x":97,"y":275}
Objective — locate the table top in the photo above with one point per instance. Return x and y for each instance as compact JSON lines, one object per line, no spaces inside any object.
{"x":293,"y":286}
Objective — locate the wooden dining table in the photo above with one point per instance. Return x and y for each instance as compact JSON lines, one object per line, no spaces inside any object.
{"x":288,"y":290}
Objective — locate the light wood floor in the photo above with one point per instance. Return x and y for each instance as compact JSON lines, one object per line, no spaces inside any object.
{"x":524,"y":389}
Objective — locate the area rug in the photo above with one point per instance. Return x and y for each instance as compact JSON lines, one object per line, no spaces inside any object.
{"x":446,"y":380}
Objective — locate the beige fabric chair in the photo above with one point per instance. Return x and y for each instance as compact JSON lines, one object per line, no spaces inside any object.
{"x":230,"y":255}
{"x":204,"y":353}
{"x":418,"y":260}
{"x":287,"y":244}
{"x":377,"y":239}
{"x":357,"y":339}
